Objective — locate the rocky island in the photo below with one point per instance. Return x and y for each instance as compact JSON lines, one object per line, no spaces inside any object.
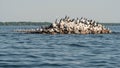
{"x":71,"y":26}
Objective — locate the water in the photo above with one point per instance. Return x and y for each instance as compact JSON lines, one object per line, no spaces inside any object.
{"x":20,"y":50}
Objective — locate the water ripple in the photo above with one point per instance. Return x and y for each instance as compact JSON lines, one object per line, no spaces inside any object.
{"x":20,"y":50}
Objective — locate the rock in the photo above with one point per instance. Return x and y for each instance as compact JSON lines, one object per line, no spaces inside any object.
{"x":71,"y":26}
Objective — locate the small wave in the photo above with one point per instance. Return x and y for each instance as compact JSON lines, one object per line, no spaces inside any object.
{"x":19,"y":65}
{"x":49,"y":54}
{"x":3,"y":35}
{"x":115,"y":33}
{"x":101,"y":61}
{"x":51,"y":64}
{"x":20,"y":42}
{"x":77,"y":45}
{"x":33,"y":56}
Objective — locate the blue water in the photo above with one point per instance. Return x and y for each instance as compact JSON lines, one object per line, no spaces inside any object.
{"x":20,"y":50}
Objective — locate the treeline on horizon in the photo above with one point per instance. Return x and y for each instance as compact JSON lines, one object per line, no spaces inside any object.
{"x":39,"y":23}
{"x":116,"y":24}
{"x":24,"y":23}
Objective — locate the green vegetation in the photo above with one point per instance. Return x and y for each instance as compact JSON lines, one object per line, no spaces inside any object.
{"x":38,"y":23}
{"x":23,"y":23}
{"x":111,"y":24}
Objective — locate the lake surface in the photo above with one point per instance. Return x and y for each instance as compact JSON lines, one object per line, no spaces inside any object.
{"x":20,"y":50}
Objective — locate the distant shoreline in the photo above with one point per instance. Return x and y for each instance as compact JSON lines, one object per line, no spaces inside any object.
{"x":23,"y":23}
{"x":111,"y":24}
{"x":39,"y":23}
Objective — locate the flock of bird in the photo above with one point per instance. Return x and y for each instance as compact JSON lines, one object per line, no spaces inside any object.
{"x":74,"y":26}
